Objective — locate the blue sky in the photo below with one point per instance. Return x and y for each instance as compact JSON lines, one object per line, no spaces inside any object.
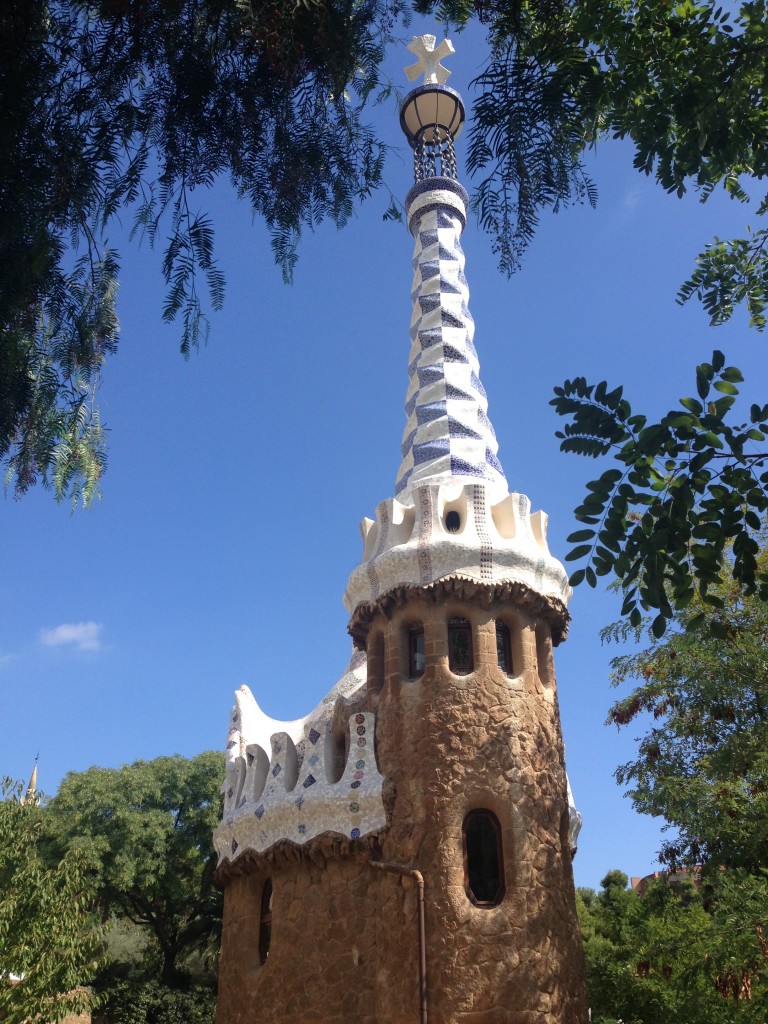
{"x":229,"y":521}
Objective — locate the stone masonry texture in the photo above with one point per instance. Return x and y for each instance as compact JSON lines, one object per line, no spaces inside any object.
{"x":344,"y":941}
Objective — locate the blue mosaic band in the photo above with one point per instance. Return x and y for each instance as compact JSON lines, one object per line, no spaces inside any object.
{"x":447,"y":433}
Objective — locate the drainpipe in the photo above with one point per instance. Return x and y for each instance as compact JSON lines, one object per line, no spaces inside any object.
{"x":418,"y":878}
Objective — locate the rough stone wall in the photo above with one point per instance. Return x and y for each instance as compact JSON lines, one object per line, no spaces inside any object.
{"x":323,"y":962}
{"x":344,"y":940}
{"x":453,"y":744}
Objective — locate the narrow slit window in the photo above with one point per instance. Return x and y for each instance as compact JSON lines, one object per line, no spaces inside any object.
{"x":416,"y":656}
{"x":460,"y":647}
{"x":376,"y":662}
{"x":483,"y":859}
{"x":265,"y":921}
{"x":504,"y":648}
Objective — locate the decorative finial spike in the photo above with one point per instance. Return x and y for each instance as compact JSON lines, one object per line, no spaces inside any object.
{"x":429,"y":59}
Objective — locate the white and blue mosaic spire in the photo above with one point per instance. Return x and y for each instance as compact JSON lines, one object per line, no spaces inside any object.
{"x":452,"y":516}
{"x":448,"y":436}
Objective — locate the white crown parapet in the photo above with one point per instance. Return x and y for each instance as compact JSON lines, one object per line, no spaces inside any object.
{"x":494,"y":542}
{"x":282,"y":779}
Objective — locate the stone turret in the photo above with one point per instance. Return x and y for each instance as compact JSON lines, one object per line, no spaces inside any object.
{"x":404,"y":851}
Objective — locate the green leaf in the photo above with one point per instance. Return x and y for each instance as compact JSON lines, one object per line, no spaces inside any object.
{"x":578,"y":552}
{"x":580,"y":535}
{"x":659,"y":626}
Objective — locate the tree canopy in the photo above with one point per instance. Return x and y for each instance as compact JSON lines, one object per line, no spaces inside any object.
{"x":674,"y":950}
{"x":109,"y":106}
{"x":145,"y":833}
{"x":50,"y":943}
{"x":683,"y":510}
{"x":703,"y":763}
{"x":113,"y":107}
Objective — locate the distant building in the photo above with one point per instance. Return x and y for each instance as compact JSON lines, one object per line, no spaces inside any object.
{"x":405,"y":850}
{"x":693,"y":874}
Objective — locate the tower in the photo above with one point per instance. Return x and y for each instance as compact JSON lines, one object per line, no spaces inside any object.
{"x":403,"y":853}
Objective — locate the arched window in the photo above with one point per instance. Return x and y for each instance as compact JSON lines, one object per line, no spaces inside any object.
{"x":416,"y":656}
{"x":460,"y":658}
{"x":265,"y":921}
{"x":483,"y":858}
{"x":504,"y":648}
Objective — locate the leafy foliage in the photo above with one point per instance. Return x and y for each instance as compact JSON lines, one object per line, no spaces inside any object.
{"x":49,"y":941}
{"x":683,"y":510}
{"x":112,"y":105}
{"x":144,"y":830}
{"x":679,"y":951}
{"x":703,"y":763}
{"x":684,"y":81}
{"x":149,"y":1002}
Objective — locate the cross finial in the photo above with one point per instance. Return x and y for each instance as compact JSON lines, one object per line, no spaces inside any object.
{"x":429,"y":58}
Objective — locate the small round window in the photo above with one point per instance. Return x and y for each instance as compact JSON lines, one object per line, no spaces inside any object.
{"x":453,"y":521}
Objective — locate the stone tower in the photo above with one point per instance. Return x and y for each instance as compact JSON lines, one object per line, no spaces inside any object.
{"x":403,"y":853}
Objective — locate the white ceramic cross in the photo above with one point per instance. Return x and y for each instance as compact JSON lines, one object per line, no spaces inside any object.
{"x":429,"y":59}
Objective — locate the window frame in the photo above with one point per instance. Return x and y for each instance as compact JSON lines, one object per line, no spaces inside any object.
{"x":414,"y":632}
{"x":460,"y":625}
{"x":501,"y":888}
{"x":265,"y":920}
{"x":504,"y":641}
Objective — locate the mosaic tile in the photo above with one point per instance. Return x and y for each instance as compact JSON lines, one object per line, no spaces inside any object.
{"x":315,"y":805}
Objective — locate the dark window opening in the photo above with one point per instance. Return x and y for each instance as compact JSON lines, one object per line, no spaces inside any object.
{"x":504,"y":648}
{"x":544,"y":662}
{"x":460,"y":647}
{"x":453,"y":521}
{"x":375,"y":662}
{"x":265,"y":922}
{"x":483,"y":859}
{"x":416,"y":655}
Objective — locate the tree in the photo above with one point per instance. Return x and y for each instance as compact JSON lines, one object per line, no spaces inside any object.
{"x":684,"y":510}
{"x":675,"y":952}
{"x":703,"y":763}
{"x":145,"y":832}
{"x":111,"y":106}
{"x":115,"y":105}
{"x":50,"y":946}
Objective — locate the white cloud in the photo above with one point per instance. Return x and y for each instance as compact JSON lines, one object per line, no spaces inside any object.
{"x":85,"y":636}
{"x":634,"y":196}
